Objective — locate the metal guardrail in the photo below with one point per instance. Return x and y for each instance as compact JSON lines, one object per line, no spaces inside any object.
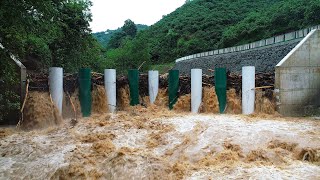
{"x":265,"y":42}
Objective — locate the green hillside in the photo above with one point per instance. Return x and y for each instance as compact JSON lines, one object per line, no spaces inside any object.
{"x":202,"y":25}
{"x":105,"y":36}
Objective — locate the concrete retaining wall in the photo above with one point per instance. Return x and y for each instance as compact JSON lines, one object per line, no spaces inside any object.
{"x":263,"y":58}
{"x":298,"y":78}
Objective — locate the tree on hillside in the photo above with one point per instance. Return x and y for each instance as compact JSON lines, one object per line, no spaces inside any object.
{"x":128,"y":30}
{"x":116,"y":40}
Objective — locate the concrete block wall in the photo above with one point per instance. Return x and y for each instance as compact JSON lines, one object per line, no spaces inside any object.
{"x":297,"y":78}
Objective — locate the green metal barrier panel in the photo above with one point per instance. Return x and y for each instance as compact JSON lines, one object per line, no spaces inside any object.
{"x":85,"y":91}
{"x":133,"y":76}
{"x":173,"y":87}
{"x":220,"y":78}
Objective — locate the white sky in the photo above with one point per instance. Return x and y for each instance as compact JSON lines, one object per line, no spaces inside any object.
{"x":111,"y":14}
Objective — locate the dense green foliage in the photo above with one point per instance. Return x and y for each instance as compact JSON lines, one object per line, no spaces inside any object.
{"x":105,"y":36}
{"x":128,"y":31}
{"x":131,"y":55}
{"x":49,"y":33}
{"x":202,"y":25}
{"x":9,"y":100}
{"x":128,"y":49}
{"x":43,"y":34}
{"x":285,"y":16}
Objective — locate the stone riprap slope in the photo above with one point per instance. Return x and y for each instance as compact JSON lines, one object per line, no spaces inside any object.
{"x":264,"y":59}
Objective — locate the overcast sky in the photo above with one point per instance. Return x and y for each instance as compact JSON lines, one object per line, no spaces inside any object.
{"x":111,"y":14}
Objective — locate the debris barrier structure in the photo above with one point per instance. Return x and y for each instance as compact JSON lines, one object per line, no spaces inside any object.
{"x":133,"y":77}
{"x":173,"y":86}
{"x":220,"y":78}
{"x":248,"y":91}
{"x":196,"y":89}
{"x":85,"y":91}
{"x":153,"y":79}
{"x":297,"y":79}
{"x":110,"y":87}
{"x":56,"y":86}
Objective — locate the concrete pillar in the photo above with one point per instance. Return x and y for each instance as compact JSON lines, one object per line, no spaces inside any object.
{"x":110,"y":79}
{"x":153,"y":78}
{"x":248,"y":85}
{"x":56,"y":86}
{"x":196,"y":89}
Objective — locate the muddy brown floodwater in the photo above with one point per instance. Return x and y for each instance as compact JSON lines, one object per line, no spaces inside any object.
{"x":154,"y":143}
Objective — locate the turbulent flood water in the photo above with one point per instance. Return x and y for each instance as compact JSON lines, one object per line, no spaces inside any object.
{"x":160,"y":144}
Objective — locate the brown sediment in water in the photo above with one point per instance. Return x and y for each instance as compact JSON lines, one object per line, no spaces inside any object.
{"x":90,"y":138}
{"x":257,"y":155}
{"x":101,"y":152}
{"x":99,"y":100}
{"x":123,"y":98}
{"x":76,"y":171}
{"x":67,"y":109}
{"x":98,"y":120}
{"x":177,"y":152}
{"x":162,"y":99}
{"x":289,"y":146}
{"x":231,"y":154}
{"x":40,"y":112}
{"x":264,"y":105}
{"x":103,"y":147}
{"x":227,"y":145}
{"x":155,"y":139}
{"x":145,"y":101}
{"x":210,"y":102}
{"x":180,"y":168}
{"x":104,"y":162}
{"x":308,"y":154}
{"x":223,"y":158}
{"x":140,"y":117}
{"x":234,"y":105}
{"x":84,"y":161}
{"x":6,"y":132}
{"x":137,"y":165}
{"x":183,"y":103}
